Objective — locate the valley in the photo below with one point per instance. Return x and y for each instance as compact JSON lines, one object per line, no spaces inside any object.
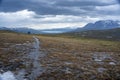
{"x":59,"y":39}
{"x":44,"y":57}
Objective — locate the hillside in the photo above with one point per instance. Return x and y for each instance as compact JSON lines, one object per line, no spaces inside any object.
{"x":109,"y":34}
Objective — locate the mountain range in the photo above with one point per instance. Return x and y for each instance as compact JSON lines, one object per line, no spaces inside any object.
{"x":98,"y":25}
{"x":34,"y":31}
{"x":106,"y":29}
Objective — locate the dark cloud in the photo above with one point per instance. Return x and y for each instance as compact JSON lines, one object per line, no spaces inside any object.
{"x":38,"y":7}
{"x":56,"y":13}
{"x":82,"y":3}
{"x":54,"y":7}
{"x":0,"y":1}
{"x":118,"y":1}
{"x":12,"y":5}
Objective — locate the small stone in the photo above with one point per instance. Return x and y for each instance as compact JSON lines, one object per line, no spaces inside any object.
{"x":101,"y":70}
{"x":112,"y":63}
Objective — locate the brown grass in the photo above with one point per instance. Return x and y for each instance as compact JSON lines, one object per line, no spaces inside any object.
{"x":76,"y":56}
{"x":8,"y":50}
{"x":66,"y":58}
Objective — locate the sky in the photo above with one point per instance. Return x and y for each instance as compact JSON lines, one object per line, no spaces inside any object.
{"x":47,"y":14}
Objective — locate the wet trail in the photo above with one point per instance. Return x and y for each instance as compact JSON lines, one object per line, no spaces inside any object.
{"x":32,"y":62}
{"x":35,"y":57}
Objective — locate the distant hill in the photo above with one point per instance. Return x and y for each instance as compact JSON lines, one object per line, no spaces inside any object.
{"x":110,"y":34}
{"x":34,"y":31}
{"x":100,"y":25}
{"x":20,"y":30}
{"x":6,"y":31}
{"x":26,"y":30}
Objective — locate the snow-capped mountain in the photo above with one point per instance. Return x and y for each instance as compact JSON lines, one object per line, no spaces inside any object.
{"x":101,"y":25}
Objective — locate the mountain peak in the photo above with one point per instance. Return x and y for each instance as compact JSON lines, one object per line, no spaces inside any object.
{"x":102,"y":24}
{"x":109,"y":22}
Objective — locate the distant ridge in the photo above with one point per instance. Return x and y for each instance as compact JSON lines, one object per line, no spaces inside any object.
{"x":100,"y":25}
{"x":34,"y":31}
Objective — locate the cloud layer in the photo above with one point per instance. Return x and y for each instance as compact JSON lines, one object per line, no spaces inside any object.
{"x":42,"y":14}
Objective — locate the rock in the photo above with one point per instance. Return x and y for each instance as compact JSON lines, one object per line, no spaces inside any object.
{"x":112,"y":63}
{"x":101,"y":70}
{"x":12,"y":66}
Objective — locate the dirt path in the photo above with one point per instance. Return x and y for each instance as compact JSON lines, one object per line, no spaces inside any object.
{"x":35,"y":57}
{"x":32,"y":62}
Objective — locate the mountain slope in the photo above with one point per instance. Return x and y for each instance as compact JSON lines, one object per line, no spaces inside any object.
{"x":100,"y":25}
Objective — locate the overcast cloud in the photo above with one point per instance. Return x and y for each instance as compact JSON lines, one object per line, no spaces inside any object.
{"x":41,"y":14}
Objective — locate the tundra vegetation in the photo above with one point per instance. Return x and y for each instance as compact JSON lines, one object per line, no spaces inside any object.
{"x":65,"y":57}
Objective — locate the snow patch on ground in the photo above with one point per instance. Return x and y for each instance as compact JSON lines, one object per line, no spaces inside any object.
{"x":7,"y":76}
